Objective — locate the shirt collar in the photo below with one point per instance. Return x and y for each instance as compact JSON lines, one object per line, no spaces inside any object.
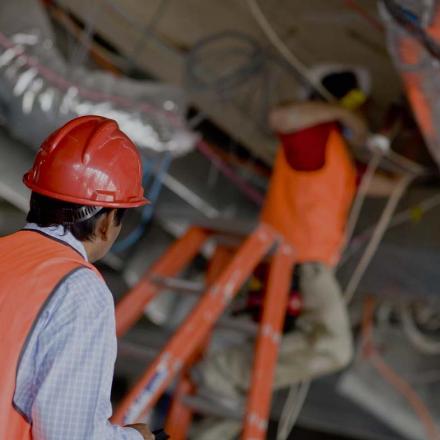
{"x":58,"y":232}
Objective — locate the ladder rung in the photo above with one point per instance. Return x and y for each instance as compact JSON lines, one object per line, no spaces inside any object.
{"x":247,"y":327}
{"x":178,"y":284}
{"x":208,"y":406}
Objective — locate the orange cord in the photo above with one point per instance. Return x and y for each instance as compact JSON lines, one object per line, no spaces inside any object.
{"x":364,"y":13}
{"x":392,"y":377}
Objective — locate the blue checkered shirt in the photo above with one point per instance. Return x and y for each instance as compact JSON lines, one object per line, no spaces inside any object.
{"x":65,"y":374}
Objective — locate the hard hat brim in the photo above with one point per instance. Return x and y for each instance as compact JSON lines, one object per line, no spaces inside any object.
{"x":27,"y":180}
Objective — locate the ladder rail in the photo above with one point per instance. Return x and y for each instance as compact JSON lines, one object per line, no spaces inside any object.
{"x":194,"y":330}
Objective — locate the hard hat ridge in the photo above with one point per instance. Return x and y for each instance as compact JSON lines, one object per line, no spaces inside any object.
{"x":102,"y":133}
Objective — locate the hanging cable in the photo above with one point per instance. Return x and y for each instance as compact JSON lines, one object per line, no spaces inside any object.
{"x":80,"y":52}
{"x":376,"y":238}
{"x":292,"y":409}
{"x":242,"y":184}
{"x":361,"y":194}
{"x":293,"y":60}
{"x":147,"y":31}
{"x":200,"y":77}
{"x":372,"y":20}
{"x":157,"y":176}
{"x":398,"y":219}
{"x":392,"y":377}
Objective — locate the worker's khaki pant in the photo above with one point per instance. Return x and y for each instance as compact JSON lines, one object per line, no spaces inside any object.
{"x":321,"y":344}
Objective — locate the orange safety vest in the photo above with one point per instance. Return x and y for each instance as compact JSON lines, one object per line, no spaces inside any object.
{"x":31,"y":267}
{"x":310,"y":208}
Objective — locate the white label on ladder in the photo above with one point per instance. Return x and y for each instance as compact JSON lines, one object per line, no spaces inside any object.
{"x":230,"y":286}
{"x":145,"y":395}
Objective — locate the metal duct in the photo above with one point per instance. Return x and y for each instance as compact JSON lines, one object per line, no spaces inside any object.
{"x":39,"y":91}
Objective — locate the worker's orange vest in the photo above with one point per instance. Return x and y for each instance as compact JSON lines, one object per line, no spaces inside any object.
{"x":31,"y":267}
{"x":310,"y":208}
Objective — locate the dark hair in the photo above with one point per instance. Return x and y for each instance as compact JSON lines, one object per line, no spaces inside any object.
{"x":338,"y":84}
{"x":45,"y":211}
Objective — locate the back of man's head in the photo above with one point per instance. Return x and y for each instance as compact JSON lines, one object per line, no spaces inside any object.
{"x":80,"y":220}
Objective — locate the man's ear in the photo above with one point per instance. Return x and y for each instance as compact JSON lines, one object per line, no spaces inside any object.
{"x":104,"y":223}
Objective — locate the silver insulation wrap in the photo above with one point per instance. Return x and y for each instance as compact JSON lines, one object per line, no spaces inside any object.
{"x":39,"y":90}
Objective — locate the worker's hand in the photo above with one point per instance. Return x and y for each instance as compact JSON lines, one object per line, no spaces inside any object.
{"x":143,"y":430}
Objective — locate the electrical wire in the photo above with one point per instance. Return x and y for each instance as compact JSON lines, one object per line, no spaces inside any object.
{"x":136,"y":22}
{"x":377,"y":236}
{"x":148,"y":30}
{"x":292,"y":59}
{"x":421,"y":342}
{"x":361,"y":194}
{"x":244,"y":46}
{"x":392,"y":377}
{"x":398,"y":219}
{"x":103,"y":56}
{"x":373,"y":21}
{"x":139,"y":25}
{"x":292,"y":409}
{"x":239,"y":69}
{"x":82,"y":48}
{"x":244,"y":186}
{"x":162,"y":165}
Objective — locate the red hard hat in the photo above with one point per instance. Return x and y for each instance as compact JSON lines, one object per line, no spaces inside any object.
{"x":89,"y":161}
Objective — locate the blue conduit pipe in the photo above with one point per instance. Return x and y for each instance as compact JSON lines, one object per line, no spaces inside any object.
{"x":152,"y":169}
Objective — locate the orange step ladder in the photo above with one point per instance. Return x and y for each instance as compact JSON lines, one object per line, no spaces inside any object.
{"x":227,"y":272}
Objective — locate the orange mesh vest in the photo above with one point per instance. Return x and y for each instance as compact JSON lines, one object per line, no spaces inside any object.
{"x":309,"y":208}
{"x":31,"y":267}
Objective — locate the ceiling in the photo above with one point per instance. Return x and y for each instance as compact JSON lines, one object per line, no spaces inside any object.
{"x":159,"y":34}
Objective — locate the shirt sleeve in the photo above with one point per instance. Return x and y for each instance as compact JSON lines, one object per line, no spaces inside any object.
{"x":74,"y":364}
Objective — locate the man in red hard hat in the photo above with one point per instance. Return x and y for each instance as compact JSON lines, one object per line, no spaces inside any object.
{"x":57,"y":325}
